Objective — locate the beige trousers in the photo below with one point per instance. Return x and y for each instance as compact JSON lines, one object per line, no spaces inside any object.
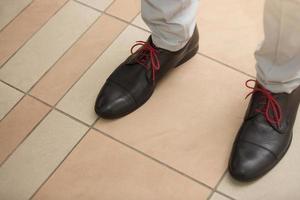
{"x":278,"y":57}
{"x":172,"y":22}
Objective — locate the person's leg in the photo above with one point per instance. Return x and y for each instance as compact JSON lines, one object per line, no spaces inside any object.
{"x":266,"y":132}
{"x":172,"y":22}
{"x":278,"y":58}
{"x":173,"y":41}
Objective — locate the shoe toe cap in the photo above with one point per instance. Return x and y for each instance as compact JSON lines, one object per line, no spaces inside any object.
{"x":113,"y":101}
{"x":250,"y":161}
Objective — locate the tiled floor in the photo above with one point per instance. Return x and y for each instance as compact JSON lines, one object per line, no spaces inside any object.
{"x":54,"y":57}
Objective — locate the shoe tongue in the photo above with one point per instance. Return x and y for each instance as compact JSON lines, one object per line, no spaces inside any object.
{"x":257,"y":108}
{"x":258,"y":102}
{"x":150,"y":41}
{"x":142,"y":57}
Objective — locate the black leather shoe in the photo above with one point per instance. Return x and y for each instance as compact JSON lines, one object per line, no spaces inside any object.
{"x":265,"y":134}
{"x":134,"y":81}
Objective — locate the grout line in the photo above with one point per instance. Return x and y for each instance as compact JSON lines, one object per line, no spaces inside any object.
{"x":30,"y":38}
{"x":16,"y":102}
{"x":107,"y":7}
{"x":64,"y":53}
{"x":23,"y":140}
{"x":216,"y":187}
{"x":222,"y":194}
{"x":19,"y":13}
{"x":74,"y":118}
{"x":225,"y":195}
{"x":113,"y":16}
{"x":12,"y":107}
{"x":129,"y":23}
{"x":62,"y":161}
{"x":225,"y":65}
{"x":152,"y":158}
{"x":12,"y":86}
{"x":93,"y":8}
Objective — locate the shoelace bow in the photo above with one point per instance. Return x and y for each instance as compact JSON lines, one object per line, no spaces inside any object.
{"x":147,"y":49}
{"x":270,"y":105}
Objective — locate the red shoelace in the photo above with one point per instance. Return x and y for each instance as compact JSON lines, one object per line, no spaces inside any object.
{"x":270,"y":105}
{"x":146,"y":50}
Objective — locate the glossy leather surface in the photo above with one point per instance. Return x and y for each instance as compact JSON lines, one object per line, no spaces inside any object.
{"x":131,"y":84}
{"x":260,"y":145}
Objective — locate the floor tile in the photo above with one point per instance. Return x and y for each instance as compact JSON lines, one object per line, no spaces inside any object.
{"x":73,"y":64}
{"x":25,"y":25}
{"x":100,"y":168}
{"x":79,"y":101}
{"x":283,"y":182}
{"x":38,"y":156}
{"x":41,"y":52}
{"x":10,"y":9}
{"x":138,"y":21}
{"x":133,"y":7}
{"x":217,"y":196}
{"x":7,"y":101}
{"x":98,"y":4}
{"x":183,"y":123}
{"x":233,"y":34}
{"x":18,"y":124}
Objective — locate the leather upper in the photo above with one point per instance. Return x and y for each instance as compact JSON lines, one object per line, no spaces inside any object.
{"x":131,"y":83}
